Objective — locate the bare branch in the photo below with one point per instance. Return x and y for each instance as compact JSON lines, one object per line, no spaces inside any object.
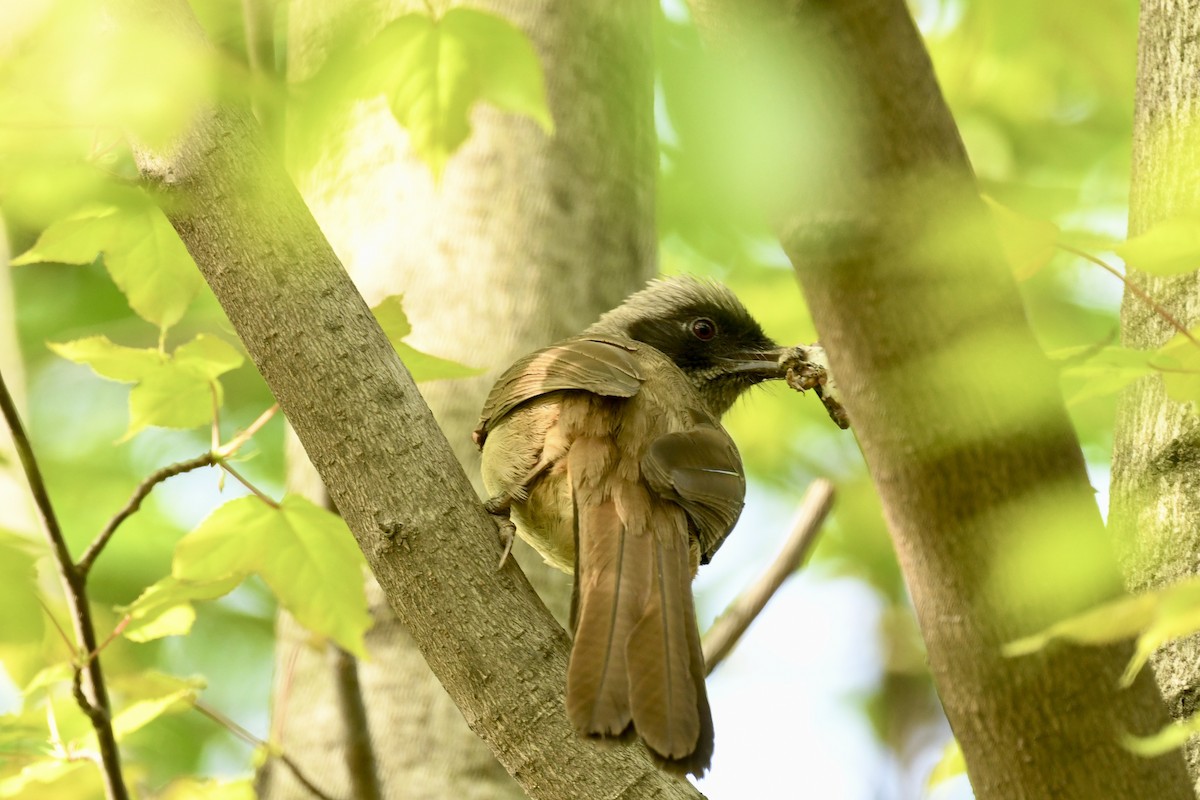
{"x":1141,"y":293}
{"x":729,"y":627}
{"x":248,"y":737}
{"x":89,"y":687}
{"x":84,"y":566}
{"x":361,"y":765}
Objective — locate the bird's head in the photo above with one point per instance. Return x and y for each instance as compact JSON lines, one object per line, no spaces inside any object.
{"x":702,"y":327}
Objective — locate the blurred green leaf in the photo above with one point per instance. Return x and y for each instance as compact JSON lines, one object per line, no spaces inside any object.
{"x":1028,"y":243}
{"x":1178,"y":361}
{"x":950,"y":765}
{"x":210,"y":789}
{"x":1172,"y":247}
{"x":1155,"y":617}
{"x":147,"y":696}
{"x":306,"y":555}
{"x":422,"y":366}
{"x":434,"y":70}
{"x":165,"y":608}
{"x":1169,"y":738}
{"x":19,"y":597}
{"x":142,"y":253}
{"x":1095,"y":372}
{"x":173,"y":391}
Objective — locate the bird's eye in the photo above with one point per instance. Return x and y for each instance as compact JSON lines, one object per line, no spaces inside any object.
{"x":704,"y":329}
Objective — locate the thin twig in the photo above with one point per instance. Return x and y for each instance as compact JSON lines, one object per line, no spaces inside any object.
{"x":225,"y":465}
{"x":233,"y":445}
{"x":248,"y":737}
{"x":135,"y":502}
{"x":729,"y":627}
{"x":1133,"y":287}
{"x":89,"y":678}
{"x":359,"y":754}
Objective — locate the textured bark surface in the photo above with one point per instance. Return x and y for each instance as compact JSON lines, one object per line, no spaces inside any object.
{"x":526,"y":240}
{"x":1156,"y":450}
{"x":491,"y":642}
{"x":973,"y":460}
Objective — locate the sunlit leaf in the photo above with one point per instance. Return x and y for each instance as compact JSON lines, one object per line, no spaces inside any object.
{"x":1169,"y":738}
{"x":950,"y":765}
{"x":23,"y":615}
{"x":1097,"y":372}
{"x":49,"y":676}
{"x":422,"y":366}
{"x":1155,"y":617}
{"x":174,"y":391}
{"x":165,"y":608}
{"x":433,"y":71}
{"x":208,"y":789}
{"x":1028,"y":243}
{"x":304,"y":553}
{"x":110,"y":360}
{"x":1178,"y":361}
{"x":147,"y":696}
{"x":142,"y":253}
{"x":389,"y":313}
{"x":1172,"y":247}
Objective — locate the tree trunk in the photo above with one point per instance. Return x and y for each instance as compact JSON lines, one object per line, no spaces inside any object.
{"x":526,"y":240}
{"x":956,"y":408}
{"x":389,"y":470}
{"x":1156,"y":449}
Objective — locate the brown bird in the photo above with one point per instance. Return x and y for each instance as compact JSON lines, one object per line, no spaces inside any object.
{"x":607,"y":452}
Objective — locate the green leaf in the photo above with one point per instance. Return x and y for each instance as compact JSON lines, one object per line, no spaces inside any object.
{"x":1172,"y":247}
{"x":49,"y":676}
{"x":174,"y":391}
{"x":109,"y":360}
{"x":208,"y":789}
{"x":304,"y":553}
{"x":1093,"y":372}
{"x":77,"y":239}
{"x":165,"y":608}
{"x":1169,"y":738}
{"x":422,"y":366}
{"x":1028,"y":243}
{"x":149,"y":695}
{"x":1155,"y":617}
{"x":1178,"y":362}
{"x":19,"y":597}
{"x":389,"y":313}
{"x":425,"y":367}
{"x":434,"y":71}
{"x":1110,"y":622}
{"x":142,"y":254}
{"x":950,"y":765}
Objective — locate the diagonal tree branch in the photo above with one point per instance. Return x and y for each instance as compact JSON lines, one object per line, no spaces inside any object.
{"x":389,"y":470}
{"x":725,"y":633}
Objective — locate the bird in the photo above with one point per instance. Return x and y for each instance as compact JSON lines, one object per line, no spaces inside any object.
{"x":606,"y":453}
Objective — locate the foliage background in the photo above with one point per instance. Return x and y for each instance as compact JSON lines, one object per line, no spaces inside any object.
{"x":828,"y":690}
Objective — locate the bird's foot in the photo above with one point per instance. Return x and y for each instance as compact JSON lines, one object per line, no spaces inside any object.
{"x":499,"y":507}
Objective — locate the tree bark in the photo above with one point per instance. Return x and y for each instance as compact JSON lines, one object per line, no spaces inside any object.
{"x":1155,"y":509}
{"x":956,"y":409}
{"x":526,"y":240}
{"x":389,"y":470}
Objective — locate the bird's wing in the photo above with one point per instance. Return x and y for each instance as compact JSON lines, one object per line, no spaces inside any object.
{"x":699,"y":469}
{"x":598,"y":365}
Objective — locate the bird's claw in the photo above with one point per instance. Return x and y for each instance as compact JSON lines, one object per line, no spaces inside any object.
{"x":508,"y":534}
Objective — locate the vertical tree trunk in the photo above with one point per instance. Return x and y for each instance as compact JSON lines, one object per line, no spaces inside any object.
{"x":1156,"y":450}
{"x":526,"y":240}
{"x":956,"y":408}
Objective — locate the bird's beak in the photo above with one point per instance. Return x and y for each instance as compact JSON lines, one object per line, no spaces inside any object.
{"x":762,"y":364}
